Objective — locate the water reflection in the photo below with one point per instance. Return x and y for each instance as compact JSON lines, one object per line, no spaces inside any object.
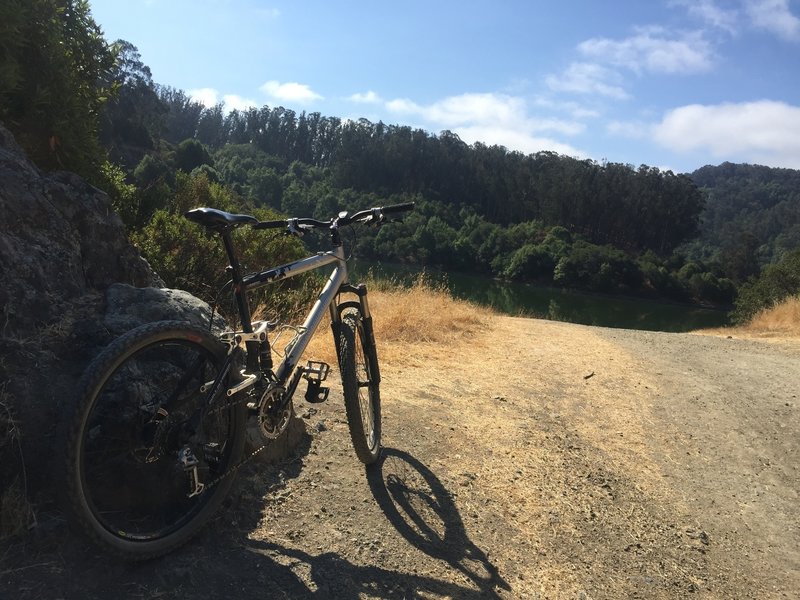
{"x":563,"y":305}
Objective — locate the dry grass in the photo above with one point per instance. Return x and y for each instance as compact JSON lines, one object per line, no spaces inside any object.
{"x":783,"y":319}
{"x":779,"y":323}
{"x":16,"y":513}
{"x":420,"y":318}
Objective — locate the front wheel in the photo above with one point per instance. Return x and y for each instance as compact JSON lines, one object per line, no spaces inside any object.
{"x":146,"y":458}
{"x":358,"y":364}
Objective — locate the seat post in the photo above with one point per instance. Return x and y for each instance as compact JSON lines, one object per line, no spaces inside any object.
{"x":239,"y":289}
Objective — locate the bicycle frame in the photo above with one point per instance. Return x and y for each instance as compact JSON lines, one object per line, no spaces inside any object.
{"x":336,"y":284}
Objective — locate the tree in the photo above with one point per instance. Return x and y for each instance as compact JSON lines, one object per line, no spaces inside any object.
{"x":54,"y":74}
{"x":190,"y":154}
{"x":182,"y":116}
{"x":134,"y":115}
{"x":776,"y":283}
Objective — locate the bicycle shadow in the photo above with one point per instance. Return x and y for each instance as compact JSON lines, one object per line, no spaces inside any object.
{"x":225,"y":562}
{"x":422,"y":510}
{"x":332,"y":576}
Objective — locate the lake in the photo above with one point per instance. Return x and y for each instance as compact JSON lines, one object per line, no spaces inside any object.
{"x":558,"y":304}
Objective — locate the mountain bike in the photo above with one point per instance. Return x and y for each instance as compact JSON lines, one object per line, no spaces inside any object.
{"x":159,"y":430}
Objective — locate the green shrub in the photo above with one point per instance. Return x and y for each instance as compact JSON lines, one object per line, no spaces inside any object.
{"x":776,"y":283}
{"x":531,"y":262}
{"x":597,"y":268}
{"x":187,"y":257}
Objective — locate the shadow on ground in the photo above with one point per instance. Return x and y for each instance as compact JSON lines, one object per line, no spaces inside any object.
{"x":54,"y":562}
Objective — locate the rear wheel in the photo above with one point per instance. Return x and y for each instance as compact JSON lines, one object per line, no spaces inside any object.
{"x":359,"y":369}
{"x":141,"y":444}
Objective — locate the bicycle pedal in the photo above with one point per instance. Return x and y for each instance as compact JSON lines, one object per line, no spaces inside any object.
{"x":316,"y":371}
{"x":315,"y":393}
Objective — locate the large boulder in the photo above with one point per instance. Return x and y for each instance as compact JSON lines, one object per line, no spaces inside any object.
{"x":61,"y":246}
{"x":71,"y":282}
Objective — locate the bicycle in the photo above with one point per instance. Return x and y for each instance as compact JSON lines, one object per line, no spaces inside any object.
{"x":159,"y":430}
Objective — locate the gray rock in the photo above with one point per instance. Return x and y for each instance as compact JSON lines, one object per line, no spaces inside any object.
{"x":128,"y":307}
{"x":70,"y":282}
{"x":61,"y":246}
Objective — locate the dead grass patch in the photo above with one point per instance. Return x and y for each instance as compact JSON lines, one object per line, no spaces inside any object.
{"x":420,"y":318}
{"x":783,"y":319}
{"x":781,"y":322}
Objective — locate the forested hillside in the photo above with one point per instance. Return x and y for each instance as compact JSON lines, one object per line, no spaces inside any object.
{"x":752,"y":215}
{"x":542,"y":217}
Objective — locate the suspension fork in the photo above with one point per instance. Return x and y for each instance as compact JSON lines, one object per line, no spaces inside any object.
{"x":362,"y":304}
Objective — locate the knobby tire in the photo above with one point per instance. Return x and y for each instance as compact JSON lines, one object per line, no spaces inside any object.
{"x":139,"y":403}
{"x":359,"y":369}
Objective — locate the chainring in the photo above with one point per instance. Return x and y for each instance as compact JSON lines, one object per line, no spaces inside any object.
{"x":273,"y":425}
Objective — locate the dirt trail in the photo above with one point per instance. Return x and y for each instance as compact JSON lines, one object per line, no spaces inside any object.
{"x":533,"y":460}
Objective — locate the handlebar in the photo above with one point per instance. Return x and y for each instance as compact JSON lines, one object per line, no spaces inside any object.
{"x":376,"y":214}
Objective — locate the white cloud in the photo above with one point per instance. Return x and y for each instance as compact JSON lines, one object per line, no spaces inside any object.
{"x":404,"y":105}
{"x":588,"y":78}
{"x":234,"y":102}
{"x":652,"y":49}
{"x":513,"y":139}
{"x":634,"y":130}
{"x":369,"y":97}
{"x":290,"y":92}
{"x":765,"y":131}
{"x":492,"y":119}
{"x":774,"y":16}
{"x":574,"y":109}
{"x":709,"y":12}
{"x":205,"y":96}
{"x":209,"y":97}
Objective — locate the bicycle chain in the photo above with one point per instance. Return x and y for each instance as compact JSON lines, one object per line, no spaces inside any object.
{"x":246,"y":459}
{"x":235,"y":467}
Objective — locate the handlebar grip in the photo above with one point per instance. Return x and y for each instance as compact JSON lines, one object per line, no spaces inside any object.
{"x":395,"y":208}
{"x":270,"y":224}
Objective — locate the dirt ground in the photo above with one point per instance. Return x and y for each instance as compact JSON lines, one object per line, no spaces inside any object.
{"x":533,"y":460}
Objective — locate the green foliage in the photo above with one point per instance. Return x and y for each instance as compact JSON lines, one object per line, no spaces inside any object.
{"x":54,"y":75}
{"x":538,"y":217}
{"x":182,"y":116}
{"x":122,"y":194}
{"x":532,"y":263}
{"x":597,"y":268}
{"x":776,"y":283}
{"x":191,"y":154}
{"x":133,"y":117}
{"x":752,"y":216}
{"x":187,"y":257}
{"x":152,"y":169}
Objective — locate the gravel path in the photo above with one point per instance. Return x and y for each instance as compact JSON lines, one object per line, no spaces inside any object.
{"x":533,"y":460}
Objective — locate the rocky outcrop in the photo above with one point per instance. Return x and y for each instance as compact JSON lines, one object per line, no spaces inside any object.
{"x":61,"y":246}
{"x":71,"y":282}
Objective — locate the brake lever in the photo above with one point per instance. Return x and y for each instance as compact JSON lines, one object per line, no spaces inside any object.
{"x":296,"y":229}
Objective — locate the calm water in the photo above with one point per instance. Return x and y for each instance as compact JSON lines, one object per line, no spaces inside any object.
{"x":561,"y":305}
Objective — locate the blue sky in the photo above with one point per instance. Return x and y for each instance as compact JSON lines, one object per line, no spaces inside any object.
{"x":675,"y":84}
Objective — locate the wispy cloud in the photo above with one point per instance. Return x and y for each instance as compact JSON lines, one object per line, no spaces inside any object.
{"x":576,"y":110}
{"x":210,"y":97}
{"x":774,"y":16}
{"x":710,"y":13}
{"x":205,"y":96}
{"x":762,"y":132}
{"x":492,"y":119}
{"x":653,"y":49}
{"x":290,"y":92}
{"x":369,"y":97}
{"x":634,"y":130}
{"x":234,"y":102}
{"x":588,"y":78}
